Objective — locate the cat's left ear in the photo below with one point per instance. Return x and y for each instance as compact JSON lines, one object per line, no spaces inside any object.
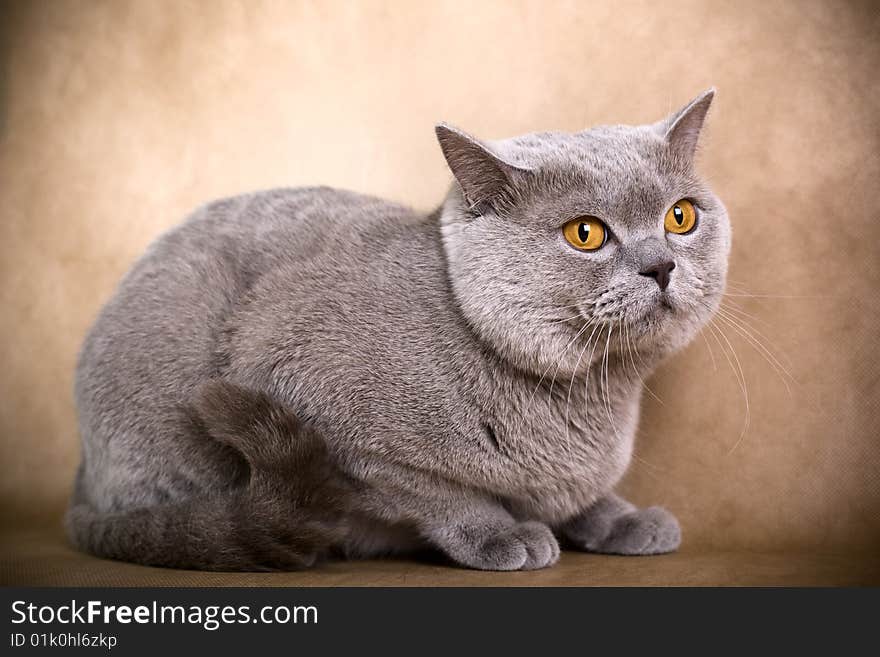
{"x":681,"y":129}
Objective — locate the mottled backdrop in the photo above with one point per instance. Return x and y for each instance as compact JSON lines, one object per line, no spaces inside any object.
{"x":117,"y":118}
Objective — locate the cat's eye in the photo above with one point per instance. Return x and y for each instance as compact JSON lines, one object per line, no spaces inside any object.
{"x":680,"y":218}
{"x":585,"y":233}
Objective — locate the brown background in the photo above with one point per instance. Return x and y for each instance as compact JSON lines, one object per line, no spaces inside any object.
{"x":120,"y":117}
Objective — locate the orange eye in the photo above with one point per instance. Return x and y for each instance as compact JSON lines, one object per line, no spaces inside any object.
{"x":680,"y":218}
{"x":585,"y":233}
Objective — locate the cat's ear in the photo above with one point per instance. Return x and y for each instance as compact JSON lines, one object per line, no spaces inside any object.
{"x":682,"y":128}
{"x":485,"y":178}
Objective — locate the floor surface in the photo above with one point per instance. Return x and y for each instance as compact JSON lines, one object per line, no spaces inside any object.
{"x":41,"y":557}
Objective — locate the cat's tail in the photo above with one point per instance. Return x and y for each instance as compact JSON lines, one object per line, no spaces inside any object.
{"x":290,"y":513}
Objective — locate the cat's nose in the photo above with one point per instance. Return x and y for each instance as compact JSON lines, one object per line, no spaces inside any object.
{"x":660,"y":272}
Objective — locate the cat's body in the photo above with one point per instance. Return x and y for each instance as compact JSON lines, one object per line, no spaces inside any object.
{"x":357,"y":321}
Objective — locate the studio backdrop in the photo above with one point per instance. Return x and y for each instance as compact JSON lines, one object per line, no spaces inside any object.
{"x":119,"y":118}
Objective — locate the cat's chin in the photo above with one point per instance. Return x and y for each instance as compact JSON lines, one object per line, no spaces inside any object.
{"x":654,"y":318}
{"x":664,"y":327}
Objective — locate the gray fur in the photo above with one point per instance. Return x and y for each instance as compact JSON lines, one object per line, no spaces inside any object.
{"x":473,"y":379}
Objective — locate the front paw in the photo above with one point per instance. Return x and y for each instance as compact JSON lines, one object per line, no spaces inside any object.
{"x":523,"y":546}
{"x":635,"y":532}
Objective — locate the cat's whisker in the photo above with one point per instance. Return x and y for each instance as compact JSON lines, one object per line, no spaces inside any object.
{"x":571,"y":385}
{"x":740,"y":378}
{"x":595,"y":324}
{"x":709,"y":349}
{"x":649,"y":469}
{"x":560,"y":320}
{"x":730,"y":303}
{"x":558,"y":310}
{"x":641,"y":360}
{"x":546,"y":371}
{"x":747,"y":332}
{"x":638,"y":435}
{"x":780,"y":296}
{"x":754,"y":333}
{"x":752,"y":329}
{"x":566,"y":319}
{"x":730,"y":289}
{"x":644,"y":466}
{"x":586,"y":381}
{"x":732,"y":306}
{"x":605,"y":391}
{"x":556,"y":316}
{"x":763,"y":351}
{"x":736,"y":305}
{"x":574,"y":306}
{"x":629,"y":350}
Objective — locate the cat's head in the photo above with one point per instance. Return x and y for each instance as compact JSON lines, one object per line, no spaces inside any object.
{"x":554,"y":238}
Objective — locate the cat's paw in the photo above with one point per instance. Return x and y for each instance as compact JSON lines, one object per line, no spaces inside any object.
{"x":653,"y":530}
{"x":523,"y":546}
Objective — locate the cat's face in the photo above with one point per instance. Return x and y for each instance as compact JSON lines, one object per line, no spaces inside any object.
{"x":561,"y":246}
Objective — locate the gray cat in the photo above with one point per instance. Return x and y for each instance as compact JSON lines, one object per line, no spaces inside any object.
{"x":307,"y":373}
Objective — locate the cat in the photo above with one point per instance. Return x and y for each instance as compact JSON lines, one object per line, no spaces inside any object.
{"x":303,"y":374}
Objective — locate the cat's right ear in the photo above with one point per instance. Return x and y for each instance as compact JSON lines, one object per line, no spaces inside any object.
{"x":484,"y":178}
